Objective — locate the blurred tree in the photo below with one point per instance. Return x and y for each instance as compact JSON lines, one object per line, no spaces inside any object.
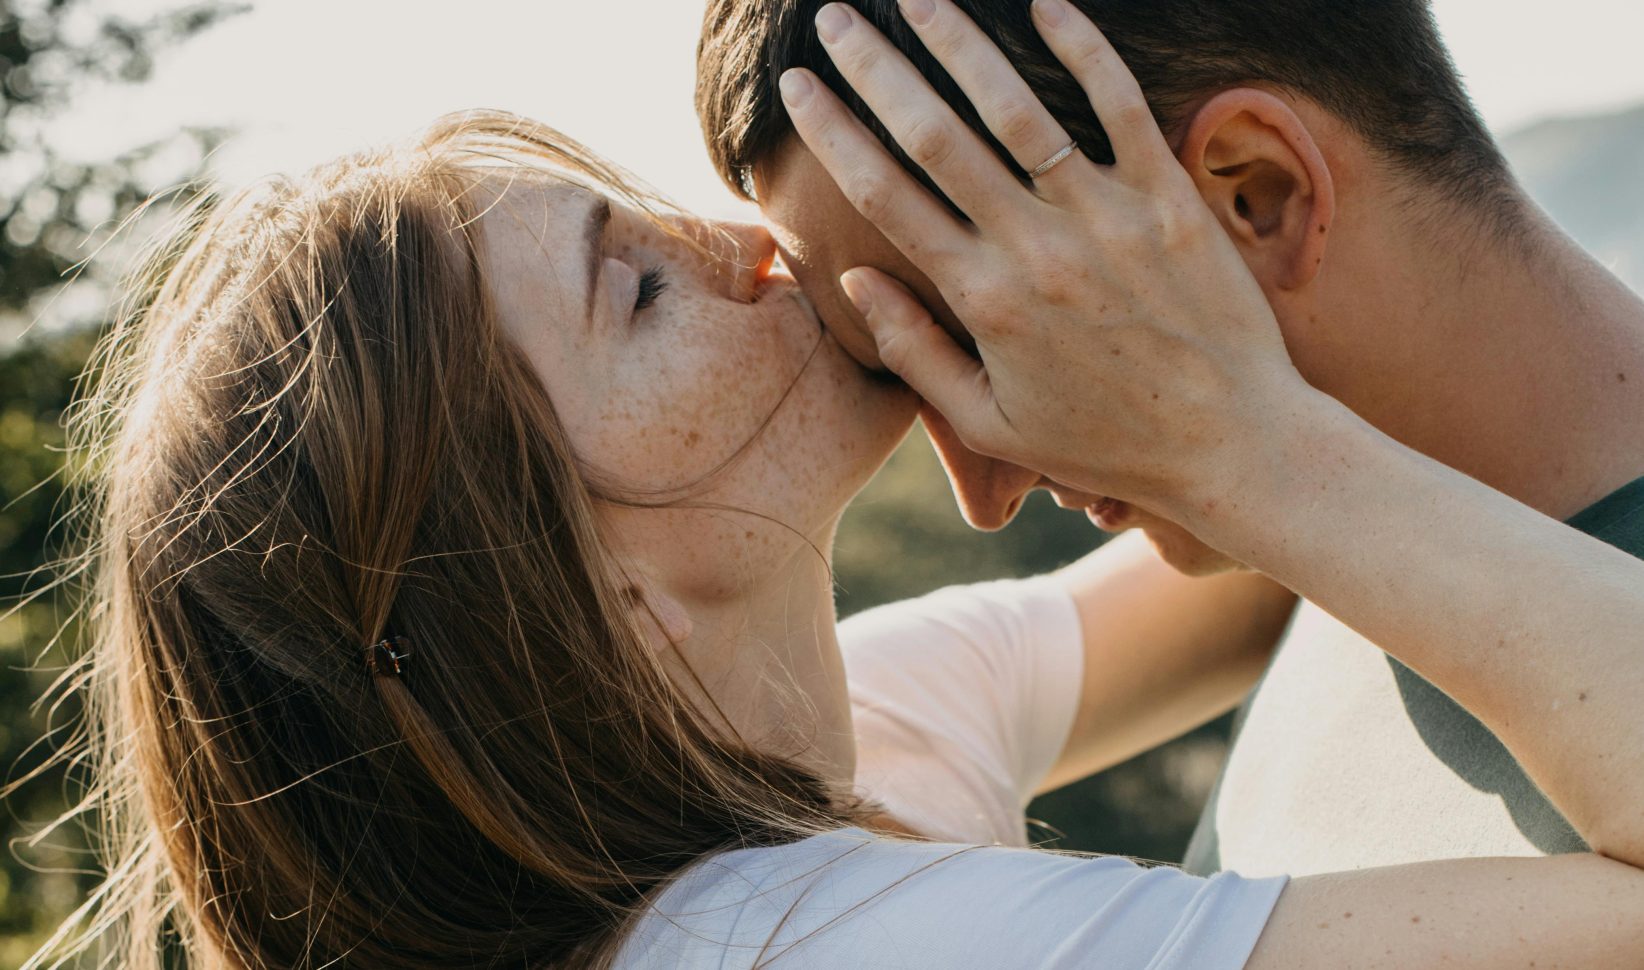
{"x":54,"y":209}
{"x":37,"y":884}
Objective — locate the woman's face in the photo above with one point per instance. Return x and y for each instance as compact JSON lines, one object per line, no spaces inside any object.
{"x":690,"y":379}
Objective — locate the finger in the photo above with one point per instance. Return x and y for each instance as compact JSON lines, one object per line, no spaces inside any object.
{"x":916,"y":348}
{"x":1012,"y":112}
{"x":1112,"y":89}
{"x":874,"y":182}
{"x":929,"y":131}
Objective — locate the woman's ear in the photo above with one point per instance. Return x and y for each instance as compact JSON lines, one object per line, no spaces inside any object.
{"x":663,"y":618}
{"x":1260,"y":170}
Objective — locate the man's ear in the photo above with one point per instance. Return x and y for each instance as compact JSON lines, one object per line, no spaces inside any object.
{"x":1262,"y":173}
{"x":990,"y":492}
{"x":663,"y":618}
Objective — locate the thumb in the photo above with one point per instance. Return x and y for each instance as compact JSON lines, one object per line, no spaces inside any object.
{"x":916,"y":348}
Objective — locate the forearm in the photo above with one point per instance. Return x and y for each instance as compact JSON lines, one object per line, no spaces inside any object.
{"x":1534,"y":627}
{"x":1572,"y":911}
{"x":1164,"y":652}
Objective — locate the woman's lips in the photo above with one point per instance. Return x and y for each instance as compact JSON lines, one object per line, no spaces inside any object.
{"x":1110,"y":515}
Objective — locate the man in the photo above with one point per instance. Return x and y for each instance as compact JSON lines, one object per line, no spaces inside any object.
{"x":1412,"y":280}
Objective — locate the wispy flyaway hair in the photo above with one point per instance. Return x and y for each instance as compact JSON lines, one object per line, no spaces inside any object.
{"x":312,"y":437}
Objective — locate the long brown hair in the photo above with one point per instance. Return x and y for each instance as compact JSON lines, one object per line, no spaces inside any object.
{"x":314,"y":436}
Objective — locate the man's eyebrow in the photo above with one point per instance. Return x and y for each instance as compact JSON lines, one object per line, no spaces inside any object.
{"x":599,"y":220}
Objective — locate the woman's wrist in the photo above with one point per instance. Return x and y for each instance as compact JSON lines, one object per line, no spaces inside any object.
{"x":1260,"y":491}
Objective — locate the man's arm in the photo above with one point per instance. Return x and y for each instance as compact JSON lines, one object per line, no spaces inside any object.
{"x":1163,"y":652}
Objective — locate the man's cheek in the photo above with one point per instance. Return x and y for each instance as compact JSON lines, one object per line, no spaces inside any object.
{"x":838,"y":315}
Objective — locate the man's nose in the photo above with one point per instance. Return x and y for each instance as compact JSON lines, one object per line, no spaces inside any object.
{"x":990,"y":492}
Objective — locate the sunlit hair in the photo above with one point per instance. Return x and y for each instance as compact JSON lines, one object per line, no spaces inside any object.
{"x":312,"y":435}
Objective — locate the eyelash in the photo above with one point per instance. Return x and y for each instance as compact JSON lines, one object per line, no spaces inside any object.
{"x":652,"y":284}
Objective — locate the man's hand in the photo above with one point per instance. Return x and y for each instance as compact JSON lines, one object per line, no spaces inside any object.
{"x":1125,"y":348}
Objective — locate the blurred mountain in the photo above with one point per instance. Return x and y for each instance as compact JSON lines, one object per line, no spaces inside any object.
{"x":1588,"y":173}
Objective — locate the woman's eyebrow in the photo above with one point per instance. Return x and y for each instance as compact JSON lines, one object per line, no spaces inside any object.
{"x":599,"y":220}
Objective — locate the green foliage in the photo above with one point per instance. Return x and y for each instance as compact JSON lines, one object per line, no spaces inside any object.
{"x":50,"y":206}
{"x":39,"y":883}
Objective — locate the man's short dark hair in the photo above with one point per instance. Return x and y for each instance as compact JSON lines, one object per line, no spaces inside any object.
{"x":1379,"y":65}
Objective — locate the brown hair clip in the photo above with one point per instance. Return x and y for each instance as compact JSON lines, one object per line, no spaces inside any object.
{"x":387,"y":657}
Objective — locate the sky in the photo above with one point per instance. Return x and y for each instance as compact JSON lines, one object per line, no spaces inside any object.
{"x":304,"y":80}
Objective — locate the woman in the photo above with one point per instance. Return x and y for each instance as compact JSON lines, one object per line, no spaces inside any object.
{"x":463,"y":574}
{"x":462,"y":599}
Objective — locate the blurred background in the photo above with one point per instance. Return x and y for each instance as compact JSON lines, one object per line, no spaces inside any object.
{"x":105,"y":102}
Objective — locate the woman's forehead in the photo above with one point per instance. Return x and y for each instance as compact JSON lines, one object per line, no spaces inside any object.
{"x":534,"y":194}
{"x":536,"y":248}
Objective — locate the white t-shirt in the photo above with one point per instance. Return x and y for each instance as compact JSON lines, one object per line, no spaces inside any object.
{"x":963,"y":700}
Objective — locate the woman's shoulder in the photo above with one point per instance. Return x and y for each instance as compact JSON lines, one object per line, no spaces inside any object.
{"x":850,"y":898}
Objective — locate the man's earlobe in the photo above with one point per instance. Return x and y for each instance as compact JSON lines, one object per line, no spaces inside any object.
{"x":1261,"y":172}
{"x":989,"y":491}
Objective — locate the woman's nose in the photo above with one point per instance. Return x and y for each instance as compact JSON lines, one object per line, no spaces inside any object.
{"x":748,"y":263}
{"x":743,"y":254}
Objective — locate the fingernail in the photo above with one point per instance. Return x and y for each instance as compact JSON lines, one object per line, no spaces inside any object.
{"x":1052,"y":12}
{"x":918,"y":12}
{"x":832,"y":22}
{"x":857,"y":290}
{"x":796,"y":87}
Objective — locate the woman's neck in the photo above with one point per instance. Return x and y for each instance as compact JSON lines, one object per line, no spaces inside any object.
{"x":769,"y":660}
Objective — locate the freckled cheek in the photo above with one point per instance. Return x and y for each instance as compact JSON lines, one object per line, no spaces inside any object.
{"x":680,"y":413}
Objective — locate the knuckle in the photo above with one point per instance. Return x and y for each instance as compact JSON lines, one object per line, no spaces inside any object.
{"x":1090,"y":57}
{"x":1179,"y":226}
{"x":896,"y":349}
{"x":1134,"y":114}
{"x":857,"y":60}
{"x":930,"y":143}
{"x":945,"y":41}
{"x":870,"y":192}
{"x":1018,"y":121}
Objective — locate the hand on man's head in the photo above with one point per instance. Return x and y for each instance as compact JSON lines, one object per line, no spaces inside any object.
{"x":822,"y":236}
{"x":1124,"y":347}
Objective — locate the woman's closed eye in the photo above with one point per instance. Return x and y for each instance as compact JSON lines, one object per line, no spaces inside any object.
{"x":652,"y":283}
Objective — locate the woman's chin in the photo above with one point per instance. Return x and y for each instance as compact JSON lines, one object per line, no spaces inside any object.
{"x":875,"y":416}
